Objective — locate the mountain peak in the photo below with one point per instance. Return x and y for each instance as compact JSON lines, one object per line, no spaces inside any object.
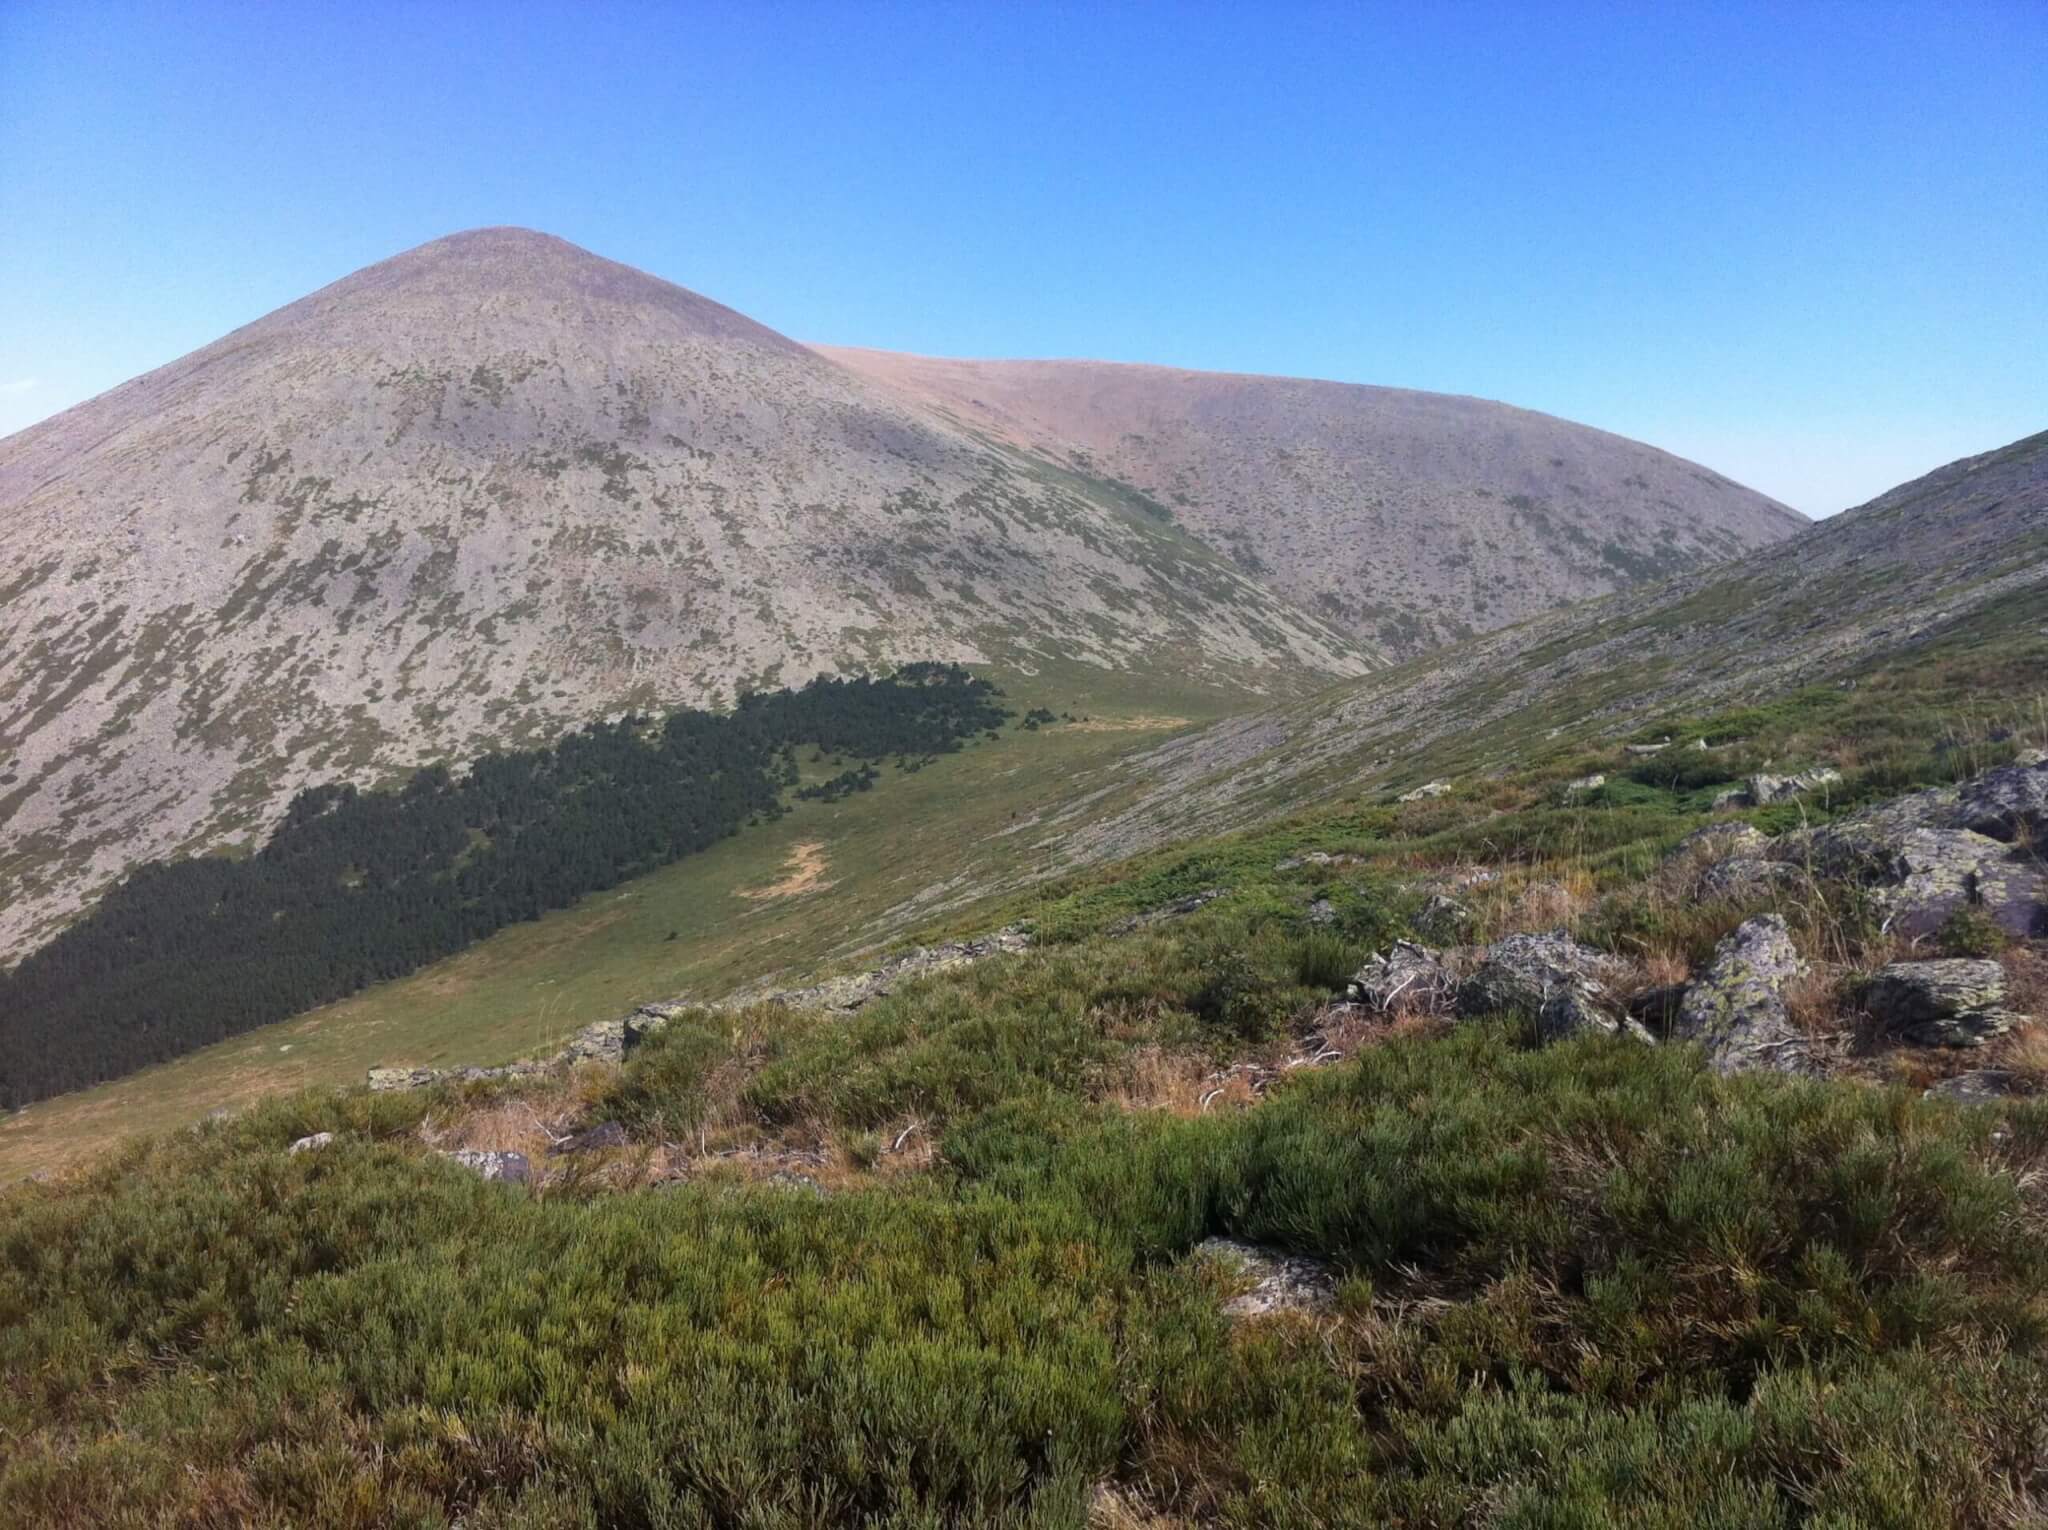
{"x":522,"y":278}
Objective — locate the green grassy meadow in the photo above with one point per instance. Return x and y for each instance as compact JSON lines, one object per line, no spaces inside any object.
{"x":527,"y":988}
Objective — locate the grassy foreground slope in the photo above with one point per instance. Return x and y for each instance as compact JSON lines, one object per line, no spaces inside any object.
{"x":946,"y":1260}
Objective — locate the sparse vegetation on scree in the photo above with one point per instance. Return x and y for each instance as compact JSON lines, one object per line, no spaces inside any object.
{"x":942,"y":1260}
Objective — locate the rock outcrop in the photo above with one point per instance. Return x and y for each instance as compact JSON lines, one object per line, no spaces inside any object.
{"x":1955,"y":1003}
{"x":1980,"y":1086}
{"x":1933,"y":852}
{"x":1737,"y":1010}
{"x":311,"y":1144}
{"x":491,"y":1164}
{"x":2007,"y":804}
{"x":1552,"y":980}
{"x":1279,"y":1282}
{"x":844,"y":995}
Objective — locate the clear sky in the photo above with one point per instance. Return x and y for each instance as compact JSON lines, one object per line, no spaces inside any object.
{"x":1804,"y":243}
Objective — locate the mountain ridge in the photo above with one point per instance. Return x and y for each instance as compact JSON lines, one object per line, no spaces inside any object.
{"x":1410,"y":517}
{"x":479,"y":493}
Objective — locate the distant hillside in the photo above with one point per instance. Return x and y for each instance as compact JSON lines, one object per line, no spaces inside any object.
{"x":481,"y":493}
{"x":1408,"y":519}
{"x":494,"y":487}
{"x":1958,"y":556}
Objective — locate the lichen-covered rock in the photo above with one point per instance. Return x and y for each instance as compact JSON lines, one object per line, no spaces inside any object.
{"x":1954,"y":1003}
{"x":1278,"y":1282}
{"x":2007,"y":804}
{"x":844,"y":995}
{"x":600,"y":1041}
{"x":1936,"y":851}
{"x":1736,"y":1009}
{"x":1322,"y":913}
{"x":1980,"y":1086}
{"x":1562,"y":986}
{"x":1585,"y":784}
{"x":311,"y":1144}
{"x":1407,"y":979}
{"x":499,"y":1167}
{"x":1926,"y":874}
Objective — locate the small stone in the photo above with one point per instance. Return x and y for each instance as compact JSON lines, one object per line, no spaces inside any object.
{"x":1322,"y":912}
{"x":1585,"y":784}
{"x":490,"y":1164}
{"x":1737,"y":1011}
{"x":1647,"y":749}
{"x":311,"y":1144}
{"x":1280,"y":1282}
{"x":1424,"y":792}
{"x":1959,"y":1002}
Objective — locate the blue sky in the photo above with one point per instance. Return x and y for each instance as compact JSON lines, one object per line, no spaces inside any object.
{"x":1804,"y":243}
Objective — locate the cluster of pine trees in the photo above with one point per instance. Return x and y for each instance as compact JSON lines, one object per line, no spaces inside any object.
{"x":355,"y":887}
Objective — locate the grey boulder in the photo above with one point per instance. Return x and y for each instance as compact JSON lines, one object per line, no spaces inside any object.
{"x":1736,"y":1009}
{"x":1552,"y":980}
{"x":1954,"y":1003}
{"x":491,"y":1164}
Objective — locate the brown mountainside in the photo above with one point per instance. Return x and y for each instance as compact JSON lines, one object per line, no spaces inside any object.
{"x":1408,"y":519}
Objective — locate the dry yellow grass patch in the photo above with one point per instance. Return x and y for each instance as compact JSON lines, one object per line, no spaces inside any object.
{"x":803,"y":872}
{"x":1161,"y":1079}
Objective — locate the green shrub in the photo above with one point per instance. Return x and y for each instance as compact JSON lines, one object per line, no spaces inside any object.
{"x":1969,"y":931}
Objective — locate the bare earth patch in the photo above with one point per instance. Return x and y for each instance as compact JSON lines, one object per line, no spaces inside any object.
{"x":803,"y":872}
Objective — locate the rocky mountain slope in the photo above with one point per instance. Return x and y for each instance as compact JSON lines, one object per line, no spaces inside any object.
{"x":1958,"y":555}
{"x":495,"y":486}
{"x":1409,"y":519}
